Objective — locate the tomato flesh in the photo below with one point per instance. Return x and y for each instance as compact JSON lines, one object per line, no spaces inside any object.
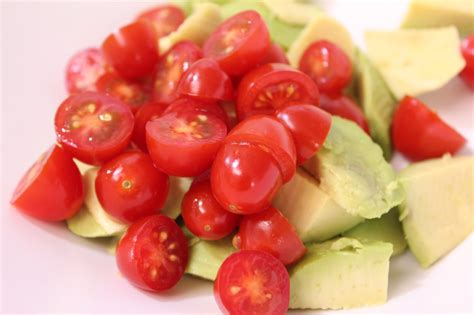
{"x":467,"y":49}
{"x":83,"y":70}
{"x":184,"y":104}
{"x":165,"y":18}
{"x":144,"y":114}
{"x":344,"y":107}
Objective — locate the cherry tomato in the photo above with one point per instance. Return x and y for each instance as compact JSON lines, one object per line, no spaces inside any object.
{"x":344,"y":107}
{"x":328,"y":66}
{"x":153,"y":253}
{"x":132,"y":50}
{"x":93,"y":127}
{"x":205,"y":80}
{"x":273,"y":86}
{"x":467,"y":49}
{"x":165,"y":18}
{"x":239,"y":43}
{"x":83,"y":70}
{"x":187,"y":105}
{"x":204,"y":216}
{"x":272,"y":136}
{"x":245,"y":178}
{"x":275,"y":54}
{"x":252,"y":282}
{"x":144,"y":114}
{"x":170,"y":68}
{"x":309,"y":126}
{"x":51,"y":189}
{"x":419,"y":133}
{"x":270,"y":231}
{"x":185,"y":143}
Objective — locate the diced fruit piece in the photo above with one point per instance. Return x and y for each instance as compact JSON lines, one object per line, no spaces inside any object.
{"x":83,"y":70}
{"x":178,"y":187}
{"x":292,"y":12}
{"x":438,"y":212}
{"x":83,"y":167}
{"x":341,"y":273}
{"x":344,"y":107}
{"x":144,"y":114}
{"x":352,"y":171}
{"x":165,"y":18}
{"x":467,"y":49}
{"x":85,"y":225}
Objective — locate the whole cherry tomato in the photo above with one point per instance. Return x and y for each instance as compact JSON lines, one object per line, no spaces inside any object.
{"x":165,"y":18}
{"x":344,"y":107}
{"x":83,"y":70}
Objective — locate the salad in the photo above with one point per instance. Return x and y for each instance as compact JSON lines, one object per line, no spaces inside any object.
{"x":249,"y":144}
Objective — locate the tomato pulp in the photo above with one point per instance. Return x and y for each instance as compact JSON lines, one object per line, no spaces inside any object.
{"x":83,"y":70}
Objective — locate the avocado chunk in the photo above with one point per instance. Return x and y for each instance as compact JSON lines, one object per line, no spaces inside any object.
{"x":292,"y":12}
{"x":83,"y":167}
{"x":85,"y":225}
{"x":436,"y":13}
{"x":341,"y":273}
{"x":178,"y":188}
{"x":438,"y":212}
{"x":313,"y":214}
{"x":352,"y":171}
{"x":415,"y":61}
{"x":387,"y":229}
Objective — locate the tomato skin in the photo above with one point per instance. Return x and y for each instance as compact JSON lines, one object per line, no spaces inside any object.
{"x":52,"y":189}
{"x":132,"y":50}
{"x":275,"y":54}
{"x":467,"y":50}
{"x":245,"y":178}
{"x":187,"y":104}
{"x":83,"y":70}
{"x":205,"y":80}
{"x":344,"y":107}
{"x":309,"y":126}
{"x":248,"y":49}
{"x":144,"y":246}
{"x":286,"y":85}
{"x":241,"y":279}
{"x":468,"y":77}
{"x":165,"y":18}
{"x":144,"y":114}
{"x":419,"y":133}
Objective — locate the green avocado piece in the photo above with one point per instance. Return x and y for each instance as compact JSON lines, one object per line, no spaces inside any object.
{"x":178,"y":188}
{"x":386,"y":229}
{"x":85,"y":225}
{"x":438,"y":212}
{"x":292,"y":12}
{"x":313,"y":214}
{"x":352,"y":171}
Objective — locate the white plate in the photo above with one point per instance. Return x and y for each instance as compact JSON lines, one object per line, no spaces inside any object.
{"x":47,"y":269}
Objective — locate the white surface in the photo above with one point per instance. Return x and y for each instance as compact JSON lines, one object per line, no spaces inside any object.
{"x":46,"y":269}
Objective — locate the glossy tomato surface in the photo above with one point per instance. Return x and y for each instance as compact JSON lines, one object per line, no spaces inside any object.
{"x":345,"y":107}
{"x":165,"y":18}
{"x":275,"y":54}
{"x":51,"y":189}
{"x":83,"y":70}
{"x":186,"y":104}
{"x":144,"y":114}
{"x":467,"y":49}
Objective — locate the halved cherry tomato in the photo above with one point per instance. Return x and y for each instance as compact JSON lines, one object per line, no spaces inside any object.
{"x":272,"y":136}
{"x":165,"y":18}
{"x":83,"y":70}
{"x":51,"y":189}
{"x":206,"y":81}
{"x":93,"y":127}
{"x":273,"y":86}
{"x":467,"y":49}
{"x":171,"y":67}
{"x":328,"y":66}
{"x":132,"y":50}
{"x":270,"y":231}
{"x":144,"y":114}
{"x":309,"y":126}
{"x":252,"y":282}
{"x":204,"y":216}
{"x":245,"y":178}
{"x":185,"y":143}
{"x":153,"y":253}
{"x":229,"y":109}
{"x":275,"y":54}
{"x":419,"y":133}
{"x":129,"y":187}
{"x":239,"y":43}
{"x":344,"y":107}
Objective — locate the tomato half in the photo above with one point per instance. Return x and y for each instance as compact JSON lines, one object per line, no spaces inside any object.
{"x":239,"y":43}
{"x":144,"y":114}
{"x":419,"y":133}
{"x":132,"y":50}
{"x":51,"y":189}
{"x":153,"y":253}
{"x":344,"y":107}
{"x":273,"y":86}
{"x":185,"y":143}
{"x":467,"y":49}
{"x":252,"y":282}
{"x":309,"y":126}
{"x":93,"y":127}
{"x":83,"y":70}
{"x":275,"y":54}
{"x":192,"y":105}
{"x":165,"y":18}
{"x":171,"y":67}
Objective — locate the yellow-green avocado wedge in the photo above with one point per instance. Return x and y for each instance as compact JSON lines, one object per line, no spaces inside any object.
{"x":438,"y":212}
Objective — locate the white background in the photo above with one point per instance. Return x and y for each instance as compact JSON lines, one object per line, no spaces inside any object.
{"x":46,"y":269}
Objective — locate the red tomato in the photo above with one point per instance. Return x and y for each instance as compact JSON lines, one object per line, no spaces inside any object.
{"x":245,"y":178}
{"x":309,"y":126}
{"x":275,"y":54}
{"x":144,"y":114}
{"x":153,"y":253}
{"x":132,"y":50}
{"x":272,"y":136}
{"x":93,"y":127}
{"x":328,"y":66}
{"x":185,"y":143}
{"x":467,"y":49}
{"x":205,"y":80}
{"x":344,"y":107}
{"x":273,"y":86}
{"x":204,"y":216}
{"x":252,"y":282}
{"x":83,"y":70}
{"x":239,"y":43}
{"x":419,"y":133}
{"x":270,"y":231}
{"x":170,"y":68}
{"x":51,"y":189}
{"x":165,"y":18}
